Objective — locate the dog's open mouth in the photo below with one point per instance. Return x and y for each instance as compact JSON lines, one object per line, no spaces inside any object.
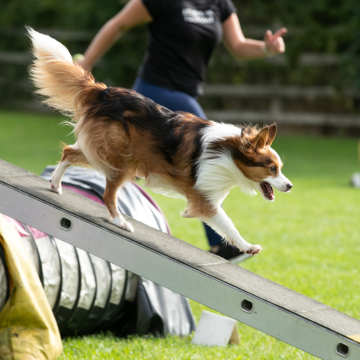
{"x":267,"y":190}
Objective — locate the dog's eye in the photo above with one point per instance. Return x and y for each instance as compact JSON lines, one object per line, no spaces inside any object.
{"x":273,"y":169}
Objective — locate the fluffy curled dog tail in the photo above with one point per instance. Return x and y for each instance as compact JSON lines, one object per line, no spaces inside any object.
{"x":63,"y":84}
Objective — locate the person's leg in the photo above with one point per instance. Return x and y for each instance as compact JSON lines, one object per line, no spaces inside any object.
{"x":173,"y":100}
{"x":179,"y":101}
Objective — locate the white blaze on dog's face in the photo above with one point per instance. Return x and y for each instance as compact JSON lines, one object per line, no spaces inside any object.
{"x":278,"y":180}
{"x":263,"y":165}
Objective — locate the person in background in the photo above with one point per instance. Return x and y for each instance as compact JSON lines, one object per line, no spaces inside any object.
{"x":183,"y":35}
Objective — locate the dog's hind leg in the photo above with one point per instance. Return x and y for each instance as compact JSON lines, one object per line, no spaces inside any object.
{"x":71,"y":154}
{"x":110,"y":201}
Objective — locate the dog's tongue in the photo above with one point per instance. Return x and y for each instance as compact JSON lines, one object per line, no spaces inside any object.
{"x":268,"y":190}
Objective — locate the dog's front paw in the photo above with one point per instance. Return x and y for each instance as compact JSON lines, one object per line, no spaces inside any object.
{"x":253,"y":249}
{"x":123,"y":224}
{"x":56,"y":187}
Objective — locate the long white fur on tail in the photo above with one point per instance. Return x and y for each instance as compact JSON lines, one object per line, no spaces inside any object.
{"x":61,"y":83}
{"x":45,"y":43}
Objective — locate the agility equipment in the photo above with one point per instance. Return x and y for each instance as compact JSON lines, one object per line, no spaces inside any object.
{"x":88,"y":294}
{"x":242,"y":295}
{"x":28,"y":329}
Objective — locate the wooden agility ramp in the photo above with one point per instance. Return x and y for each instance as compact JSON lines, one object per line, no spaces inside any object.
{"x":208,"y":279}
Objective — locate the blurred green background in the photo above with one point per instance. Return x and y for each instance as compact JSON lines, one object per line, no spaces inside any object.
{"x":326,"y":27}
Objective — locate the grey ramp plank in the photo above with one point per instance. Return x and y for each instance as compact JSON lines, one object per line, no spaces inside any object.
{"x":181,"y":252}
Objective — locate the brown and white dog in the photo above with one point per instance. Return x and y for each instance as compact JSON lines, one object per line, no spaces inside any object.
{"x":124,"y":134}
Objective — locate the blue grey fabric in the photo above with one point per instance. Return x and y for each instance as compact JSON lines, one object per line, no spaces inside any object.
{"x":131,"y":201}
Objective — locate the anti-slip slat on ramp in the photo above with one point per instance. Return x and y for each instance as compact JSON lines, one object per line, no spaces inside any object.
{"x":181,"y":267}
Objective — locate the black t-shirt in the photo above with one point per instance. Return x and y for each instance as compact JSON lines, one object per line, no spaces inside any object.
{"x":183,"y":35}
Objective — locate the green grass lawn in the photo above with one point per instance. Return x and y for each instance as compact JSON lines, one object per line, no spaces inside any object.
{"x":310,"y":237}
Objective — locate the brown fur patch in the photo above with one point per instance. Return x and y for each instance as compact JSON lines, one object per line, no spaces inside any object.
{"x":250,"y":153}
{"x":258,"y":173}
{"x":272,"y":134}
{"x":119,"y":150}
{"x":197,"y":205}
{"x":74,"y":156}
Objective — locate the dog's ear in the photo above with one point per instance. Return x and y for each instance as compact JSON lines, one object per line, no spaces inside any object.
{"x":261,"y":139}
{"x":272,"y":134}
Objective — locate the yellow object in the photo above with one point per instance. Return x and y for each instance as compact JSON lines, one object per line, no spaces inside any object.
{"x":77,"y":57}
{"x":355,"y":337}
{"x":28,"y":329}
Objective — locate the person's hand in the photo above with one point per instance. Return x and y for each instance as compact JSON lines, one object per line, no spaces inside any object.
{"x":274,"y":43}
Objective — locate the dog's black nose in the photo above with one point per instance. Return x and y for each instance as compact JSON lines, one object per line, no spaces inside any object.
{"x":289,"y":186}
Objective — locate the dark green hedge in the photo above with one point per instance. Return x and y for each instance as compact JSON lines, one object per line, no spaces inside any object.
{"x":319,"y":26}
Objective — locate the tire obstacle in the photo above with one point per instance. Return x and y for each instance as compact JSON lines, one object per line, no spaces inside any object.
{"x":85,"y":293}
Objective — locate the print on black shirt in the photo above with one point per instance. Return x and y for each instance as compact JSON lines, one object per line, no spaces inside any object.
{"x":183,"y":35}
{"x":198,"y":16}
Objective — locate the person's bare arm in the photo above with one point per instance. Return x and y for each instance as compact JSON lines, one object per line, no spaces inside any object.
{"x":134,"y":13}
{"x":245,"y":48}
